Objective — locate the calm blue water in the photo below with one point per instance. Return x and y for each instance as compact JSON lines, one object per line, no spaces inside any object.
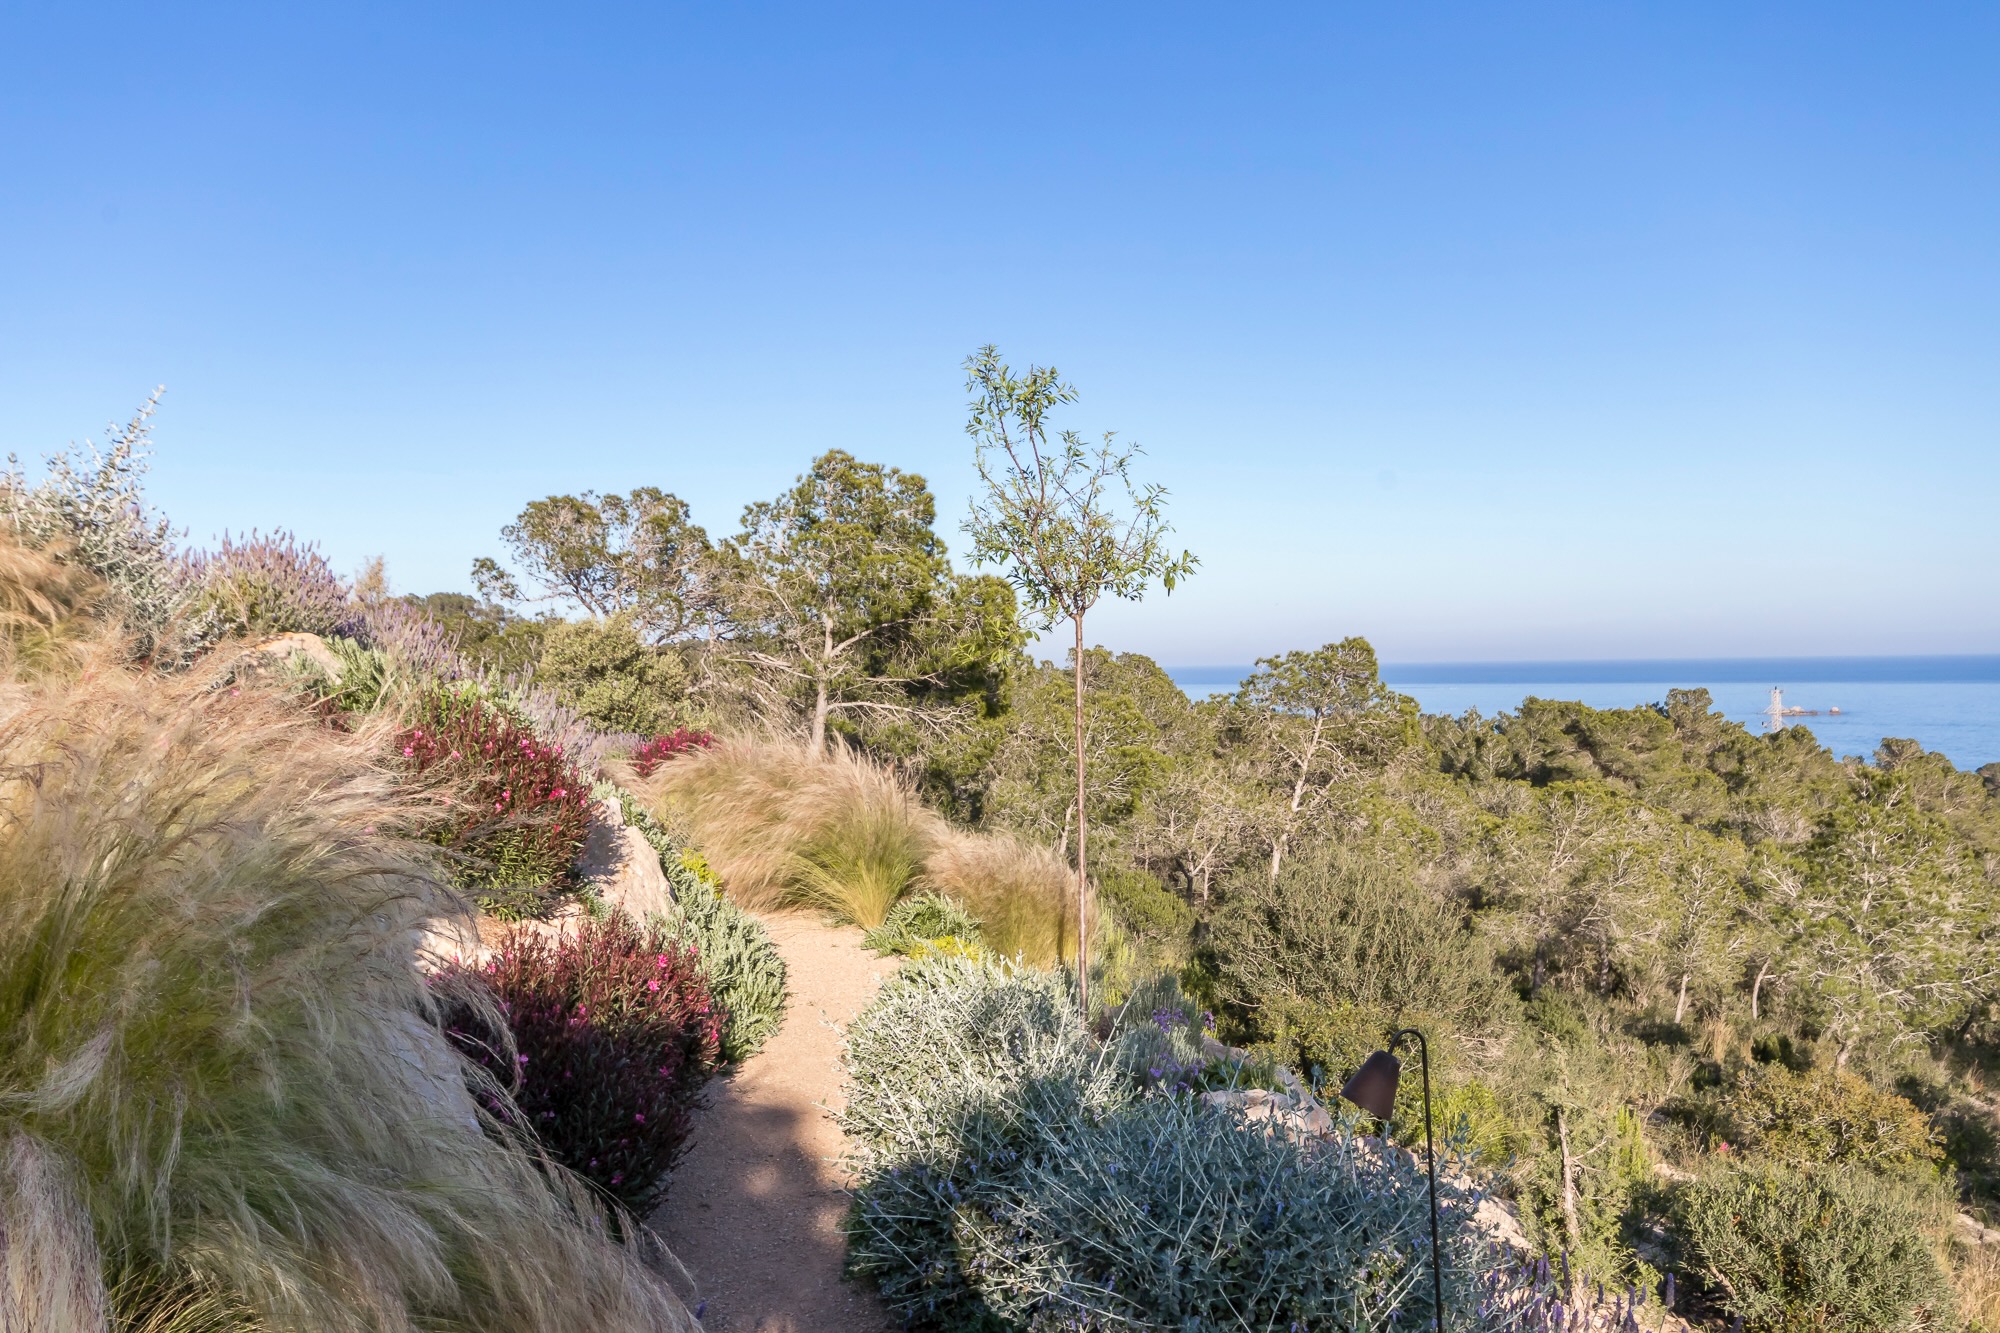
{"x":1947,"y":704}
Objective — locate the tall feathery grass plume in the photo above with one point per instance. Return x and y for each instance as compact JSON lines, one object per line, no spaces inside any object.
{"x":49,"y":609}
{"x":786,"y":827}
{"x":222,"y":1089}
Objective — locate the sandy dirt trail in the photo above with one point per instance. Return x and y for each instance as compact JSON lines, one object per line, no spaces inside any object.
{"x":754,"y":1209}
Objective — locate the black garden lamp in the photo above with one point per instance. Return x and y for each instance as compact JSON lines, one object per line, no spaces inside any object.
{"x":1373,"y":1089}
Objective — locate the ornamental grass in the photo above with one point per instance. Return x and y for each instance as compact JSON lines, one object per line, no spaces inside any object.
{"x":224,"y":1099}
{"x":785,"y":827}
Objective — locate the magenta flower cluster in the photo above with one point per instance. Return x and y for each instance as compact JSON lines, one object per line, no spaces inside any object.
{"x":526,"y":810}
{"x":662,"y":748}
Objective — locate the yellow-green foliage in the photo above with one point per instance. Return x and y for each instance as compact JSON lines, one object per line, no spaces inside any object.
{"x":1829,"y":1115}
{"x":220,"y":1084}
{"x":785,"y":827}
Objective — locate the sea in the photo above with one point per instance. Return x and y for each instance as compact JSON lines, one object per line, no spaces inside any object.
{"x":1950,"y":705}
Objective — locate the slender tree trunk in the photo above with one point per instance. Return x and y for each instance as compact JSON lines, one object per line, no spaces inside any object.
{"x":1681,"y":1004}
{"x":1757,"y":986}
{"x":1082,"y":832}
{"x":1571,"y":1226}
{"x":819,"y":684}
{"x":1298,"y":797}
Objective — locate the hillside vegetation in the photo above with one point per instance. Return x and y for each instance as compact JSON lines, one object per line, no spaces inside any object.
{"x":317,"y":1015}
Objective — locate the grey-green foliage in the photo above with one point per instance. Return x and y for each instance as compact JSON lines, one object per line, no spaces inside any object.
{"x":919,"y":919}
{"x":362,"y":680}
{"x":93,"y":502}
{"x":1014,"y":1176}
{"x":1338,"y":927}
{"x":1823,"y":1248}
{"x":1173,"y":1215}
{"x":746,"y":973}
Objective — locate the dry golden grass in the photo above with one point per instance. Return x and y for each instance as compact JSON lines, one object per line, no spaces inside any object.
{"x":47,"y":609}
{"x":785,"y":827}
{"x":1976,"y":1279}
{"x":1023,"y":895}
{"x":221,"y":1088}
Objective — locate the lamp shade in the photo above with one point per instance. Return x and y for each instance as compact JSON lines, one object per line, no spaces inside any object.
{"x":1373,"y":1087}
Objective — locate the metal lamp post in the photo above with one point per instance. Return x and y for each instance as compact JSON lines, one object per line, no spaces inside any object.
{"x":1373,"y":1089}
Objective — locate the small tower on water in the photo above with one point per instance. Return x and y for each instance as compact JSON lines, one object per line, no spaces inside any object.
{"x":1774,"y":716}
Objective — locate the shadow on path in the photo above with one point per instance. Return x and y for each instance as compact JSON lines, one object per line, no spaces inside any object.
{"x":754,"y":1210}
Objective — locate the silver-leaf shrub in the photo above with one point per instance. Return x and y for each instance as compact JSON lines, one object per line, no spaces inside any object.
{"x":1017,"y":1174}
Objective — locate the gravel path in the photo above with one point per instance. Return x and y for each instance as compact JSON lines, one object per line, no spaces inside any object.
{"x":754,"y":1209}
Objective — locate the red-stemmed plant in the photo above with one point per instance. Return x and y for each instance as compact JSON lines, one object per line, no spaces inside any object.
{"x":614,"y":1033}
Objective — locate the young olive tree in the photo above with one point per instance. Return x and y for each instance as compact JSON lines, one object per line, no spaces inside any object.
{"x":1069,"y":525}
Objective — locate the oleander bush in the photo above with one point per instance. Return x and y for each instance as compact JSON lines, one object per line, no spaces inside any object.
{"x":610,"y":1034}
{"x":650,"y":755}
{"x":224,"y":1096}
{"x":1017,"y":1174}
{"x":521,"y":823}
{"x":1789,"y":1248}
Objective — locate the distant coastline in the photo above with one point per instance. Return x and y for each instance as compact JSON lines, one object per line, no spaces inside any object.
{"x":1946,"y":703}
{"x":1964,"y":668}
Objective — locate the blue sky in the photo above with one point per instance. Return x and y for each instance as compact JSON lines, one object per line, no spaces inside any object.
{"x":1486,"y":331}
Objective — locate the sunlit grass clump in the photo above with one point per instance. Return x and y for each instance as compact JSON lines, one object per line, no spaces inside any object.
{"x":786,"y":827}
{"x":223,"y":1099}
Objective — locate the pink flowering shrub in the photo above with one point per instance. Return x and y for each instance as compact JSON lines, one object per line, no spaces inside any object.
{"x":662,"y":748}
{"x":614,"y":1033}
{"x":526,"y":806}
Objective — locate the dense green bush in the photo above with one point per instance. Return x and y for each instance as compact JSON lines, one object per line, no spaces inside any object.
{"x":1334,"y":929}
{"x":1829,"y":1115}
{"x":1016,"y":1175}
{"x":604,"y":670}
{"x":1832,"y":1248}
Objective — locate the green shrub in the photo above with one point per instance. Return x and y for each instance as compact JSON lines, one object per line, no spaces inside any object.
{"x":1829,"y":1115}
{"x":1335,"y":931}
{"x":1015,"y":1176}
{"x":606,"y":672}
{"x":1147,"y":908}
{"x":921,"y":919}
{"x":1829,"y":1248}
